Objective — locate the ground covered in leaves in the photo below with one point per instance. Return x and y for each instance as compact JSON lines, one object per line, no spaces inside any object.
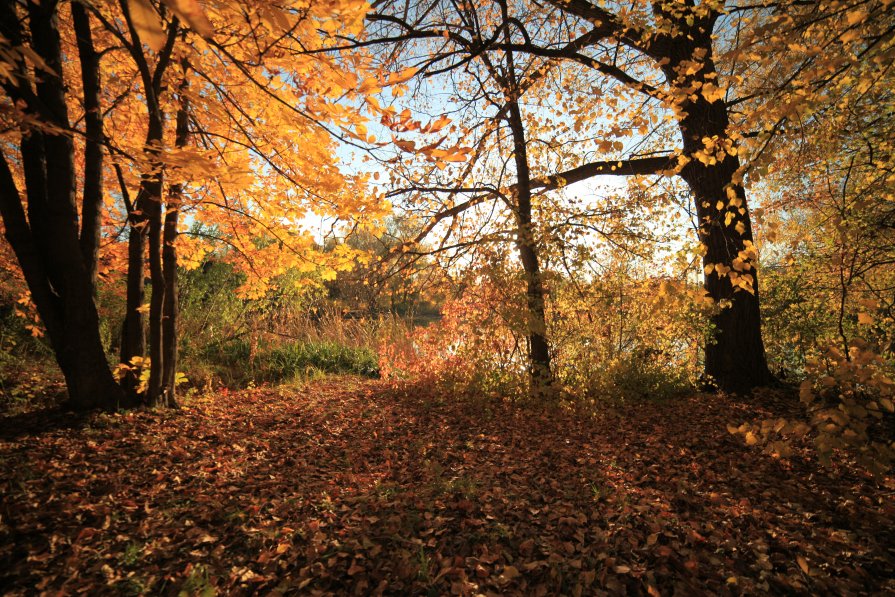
{"x":354,"y":487}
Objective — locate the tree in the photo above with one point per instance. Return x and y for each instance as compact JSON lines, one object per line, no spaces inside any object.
{"x":253,"y":114}
{"x":56,"y":250}
{"x":152,"y":68}
{"x":679,"y":40}
{"x":501,"y":99}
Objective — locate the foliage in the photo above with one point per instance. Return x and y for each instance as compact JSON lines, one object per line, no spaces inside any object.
{"x":614,"y":339}
{"x":444,"y":279}
{"x":849,"y":401}
{"x":238,"y":362}
{"x":851,"y":404}
{"x":284,"y":361}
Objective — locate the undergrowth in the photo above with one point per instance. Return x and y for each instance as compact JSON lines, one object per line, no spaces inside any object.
{"x":238,"y":363}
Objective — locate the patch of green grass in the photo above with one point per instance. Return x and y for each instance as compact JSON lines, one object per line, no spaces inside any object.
{"x":198,"y":582}
{"x":130,"y":586}
{"x":294,"y":363}
{"x":327,"y":357}
{"x":131,"y":555}
{"x":424,"y":566}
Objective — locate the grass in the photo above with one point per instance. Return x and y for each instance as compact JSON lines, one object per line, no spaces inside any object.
{"x":236,"y":364}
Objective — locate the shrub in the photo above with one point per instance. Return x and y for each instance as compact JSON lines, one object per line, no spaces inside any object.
{"x":849,"y":401}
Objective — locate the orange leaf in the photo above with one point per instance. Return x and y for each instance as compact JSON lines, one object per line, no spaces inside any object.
{"x":192,"y":14}
{"x":147,"y":23}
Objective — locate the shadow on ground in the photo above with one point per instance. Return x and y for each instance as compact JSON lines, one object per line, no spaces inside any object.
{"x":355,"y":487}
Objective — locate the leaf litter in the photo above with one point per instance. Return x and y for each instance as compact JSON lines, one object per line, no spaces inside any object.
{"x":359,"y":487}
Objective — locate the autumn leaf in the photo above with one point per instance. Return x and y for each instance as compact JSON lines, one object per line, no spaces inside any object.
{"x":147,"y":23}
{"x":191,"y":12}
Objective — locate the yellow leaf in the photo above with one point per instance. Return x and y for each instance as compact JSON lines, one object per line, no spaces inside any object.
{"x":147,"y":23}
{"x":712,"y":92}
{"x":803,"y":564}
{"x":403,"y":75}
{"x":370,"y":85}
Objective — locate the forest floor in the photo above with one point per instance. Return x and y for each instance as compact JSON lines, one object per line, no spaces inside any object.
{"x":354,"y":487}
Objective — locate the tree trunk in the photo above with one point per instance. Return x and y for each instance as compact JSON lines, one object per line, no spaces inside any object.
{"x":133,"y":330}
{"x":92,"y":200}
{"x":539,"y":367}
{"x":169,"y":311}
{"x":169,"y":265}
{"x":47,"y":242}
{"x":735,"y":356}
{"x":150,"y":198}
{"x":157,"y":299}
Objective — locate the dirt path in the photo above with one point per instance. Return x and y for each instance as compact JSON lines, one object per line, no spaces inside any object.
{"x":351,"y":487}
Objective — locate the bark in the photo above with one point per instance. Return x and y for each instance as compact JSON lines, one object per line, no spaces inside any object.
{"x":133,"y":331}
{"x":169,"y":311}
{"x":540,"y":370}
{"x":92,"y":199}
{"x":157,"y":299}
{"x":735,"y":356}
{"x":46,"y":244}
{"x":539,"y":367}
{"x":146,"y":227}
{"x":169,"y":265}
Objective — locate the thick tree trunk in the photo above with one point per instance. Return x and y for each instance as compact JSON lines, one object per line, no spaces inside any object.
{"x":540,"y":370}
{"x":735,"y":356}
{"x":47,"y":243}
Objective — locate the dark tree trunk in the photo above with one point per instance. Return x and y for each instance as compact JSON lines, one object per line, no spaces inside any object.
{"x":47,"y":243}
{"x":157,"y":299}
{"x":539,"y":367}
{"x":150,"y":205}
{"x":169,"y":265}
{"x":133,"y":330}
{"x":92,"y":200}
{"x":169,"y":315}
{"x":735,"y":355}
{"x":540,"y":370}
